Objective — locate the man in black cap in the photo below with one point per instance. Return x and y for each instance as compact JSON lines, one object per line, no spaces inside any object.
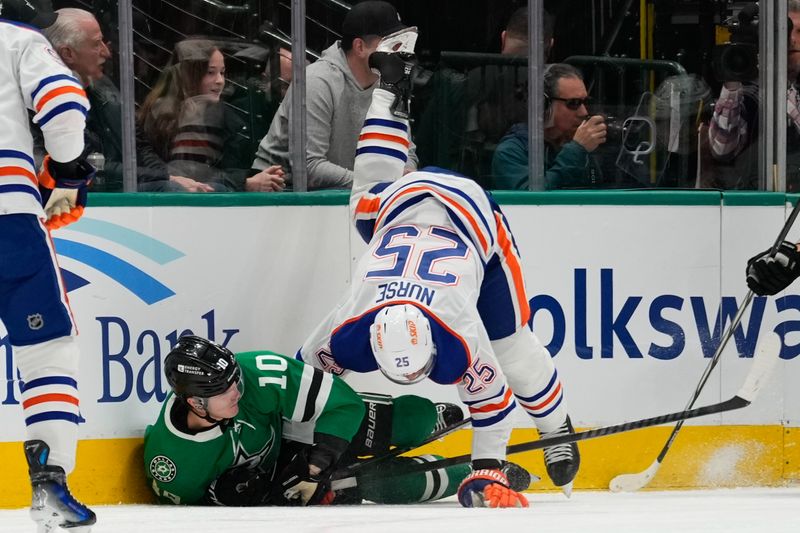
{"x":338,"y":93}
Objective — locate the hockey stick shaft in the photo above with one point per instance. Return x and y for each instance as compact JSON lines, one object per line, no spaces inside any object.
{"x":728,"y":334}
{"x":768,"y":354}
{"x":399,"y":450}
{"x":734,"y":403}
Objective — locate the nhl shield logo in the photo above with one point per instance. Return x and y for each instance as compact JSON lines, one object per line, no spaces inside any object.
{"x":35,"y":321}
{"x":163,"y":469}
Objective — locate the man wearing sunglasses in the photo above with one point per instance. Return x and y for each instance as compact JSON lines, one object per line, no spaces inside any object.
{"x":571,"y":135}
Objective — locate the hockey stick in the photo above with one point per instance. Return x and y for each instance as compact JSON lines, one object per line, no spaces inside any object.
{"x":765,"y":358}
{"x":634,"y":482}
{"x":348,"y":471}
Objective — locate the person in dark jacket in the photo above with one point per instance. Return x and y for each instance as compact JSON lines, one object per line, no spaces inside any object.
{"x":77,"y":38}
{"x":570,"y":135}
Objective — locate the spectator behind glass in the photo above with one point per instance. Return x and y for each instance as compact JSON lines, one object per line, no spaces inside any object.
{"x":261,"y":92}
{"x":469,"y":113}
{"x":77,"y":38}
{"x":190,"y":127}
{"x":338,"y":93}
{"x":734,"y":129}
{"x":570,"y":137}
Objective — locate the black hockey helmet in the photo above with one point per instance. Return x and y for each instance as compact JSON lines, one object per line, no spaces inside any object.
{"x":24,"y":11}
{"x":198,"y":367}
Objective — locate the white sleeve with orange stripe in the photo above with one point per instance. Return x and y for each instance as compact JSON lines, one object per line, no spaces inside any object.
{"x":57,"y":98}
{"x":381,"y":152}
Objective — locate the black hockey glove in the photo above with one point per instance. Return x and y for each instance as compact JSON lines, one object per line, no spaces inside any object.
{"x":769,"y":275}
{"x":239,"y":487}
{"x":306,"y":479}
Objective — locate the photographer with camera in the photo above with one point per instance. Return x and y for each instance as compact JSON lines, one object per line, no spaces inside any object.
{"x":734,"y":127}
{"x":571,"y":136}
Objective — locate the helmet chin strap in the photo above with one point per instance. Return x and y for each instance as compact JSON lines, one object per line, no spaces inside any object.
{"x":204,"y":406}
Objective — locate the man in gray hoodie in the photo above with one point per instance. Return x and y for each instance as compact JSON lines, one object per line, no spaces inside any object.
{"x":338,"y":93}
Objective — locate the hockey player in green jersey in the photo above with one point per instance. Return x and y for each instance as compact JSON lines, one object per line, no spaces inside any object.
{"x":258,"y":428}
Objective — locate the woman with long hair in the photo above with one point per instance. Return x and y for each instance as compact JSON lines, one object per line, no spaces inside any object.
{"x":191,"y":128}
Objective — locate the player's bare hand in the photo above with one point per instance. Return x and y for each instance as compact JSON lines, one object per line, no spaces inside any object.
{"x":591,"y":133}
{"x":268,"y":180}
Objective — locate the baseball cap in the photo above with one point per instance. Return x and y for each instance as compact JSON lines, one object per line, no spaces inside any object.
{"x":372,"y":17}
{"x":23,"y":11}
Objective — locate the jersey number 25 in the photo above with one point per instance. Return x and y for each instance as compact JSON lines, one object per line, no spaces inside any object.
{"x":400,"y":242}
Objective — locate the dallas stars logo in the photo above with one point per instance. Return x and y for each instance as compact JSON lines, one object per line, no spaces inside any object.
{"x":163,"y":469}
{"x":241,"y":457}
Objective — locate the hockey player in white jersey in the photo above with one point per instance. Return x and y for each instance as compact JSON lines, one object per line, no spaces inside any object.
{"x":33,"y":305}
{"x":439,"y":294}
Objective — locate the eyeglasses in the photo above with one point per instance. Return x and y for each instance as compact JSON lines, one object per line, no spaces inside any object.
{"x":574,"y":103}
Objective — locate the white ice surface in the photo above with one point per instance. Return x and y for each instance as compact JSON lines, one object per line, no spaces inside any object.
{"x":728,"y":511}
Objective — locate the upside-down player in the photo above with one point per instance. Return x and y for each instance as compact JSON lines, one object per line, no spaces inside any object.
{"x":258,"y":428}
{"x":33,"y":303}
{"x":440,"y":294}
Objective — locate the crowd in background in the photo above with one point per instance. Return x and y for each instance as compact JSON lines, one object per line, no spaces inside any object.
{"x":215,"y":117}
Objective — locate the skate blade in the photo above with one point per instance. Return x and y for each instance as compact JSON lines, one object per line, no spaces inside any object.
{"x":46,"y":521}
{"x":567,"y":489}
{"x":401,"y":41}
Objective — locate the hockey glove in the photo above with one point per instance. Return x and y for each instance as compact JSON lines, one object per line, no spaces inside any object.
{"x":769,"y":275}
{"x":239,"y":487}
{"x":489,"y":488}
{"x":63,"y":187}
{"x":306,"y":479}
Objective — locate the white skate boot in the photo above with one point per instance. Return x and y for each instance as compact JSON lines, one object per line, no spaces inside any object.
{"x":394,"y":60}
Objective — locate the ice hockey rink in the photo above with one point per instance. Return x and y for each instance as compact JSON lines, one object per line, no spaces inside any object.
{"x":724,"y":510}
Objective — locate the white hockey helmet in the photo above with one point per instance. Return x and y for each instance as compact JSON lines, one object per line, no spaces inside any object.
{"x":402,"y":344}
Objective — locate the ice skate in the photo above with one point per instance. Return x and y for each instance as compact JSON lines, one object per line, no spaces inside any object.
{"x":447,"y":414}
{"x":394,"y":61}
{"x":52,"y":506}
{"x":563,"y":460}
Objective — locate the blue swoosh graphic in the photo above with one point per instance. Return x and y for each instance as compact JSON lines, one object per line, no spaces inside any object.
{"x":144,"y":286}
{"x":145,"y":245}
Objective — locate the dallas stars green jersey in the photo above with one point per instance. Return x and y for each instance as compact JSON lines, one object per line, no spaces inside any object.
{"x":180,"y":466}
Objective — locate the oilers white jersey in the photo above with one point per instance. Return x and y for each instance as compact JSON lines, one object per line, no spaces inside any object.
{"x":33,"y":77}
{"x":438,"y":242}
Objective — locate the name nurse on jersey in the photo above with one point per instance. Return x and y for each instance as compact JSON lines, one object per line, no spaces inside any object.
{"x":405,"y":289}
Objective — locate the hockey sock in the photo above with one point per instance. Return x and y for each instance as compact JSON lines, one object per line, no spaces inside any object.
{"x":382,"y":148}
{"x":416,"y":487}
{"x":532,"y":376}
{"x":50,"y":397}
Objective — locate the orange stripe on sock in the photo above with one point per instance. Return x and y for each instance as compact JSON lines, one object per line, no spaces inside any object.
{"x":493,"y":406}
{"x":547,"y":401}
{"x":53,"y":397}
{"x":384,"y":137}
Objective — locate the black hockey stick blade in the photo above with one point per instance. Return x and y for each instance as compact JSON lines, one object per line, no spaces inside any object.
{"x":767,"y":350}
{"x":759,"y":373}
